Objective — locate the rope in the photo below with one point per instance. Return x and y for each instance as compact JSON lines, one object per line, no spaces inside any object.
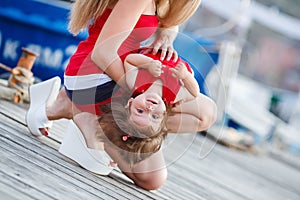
{"x":17,"y":84}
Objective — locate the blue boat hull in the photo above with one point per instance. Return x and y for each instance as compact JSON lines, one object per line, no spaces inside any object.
{"x":41,"y":26}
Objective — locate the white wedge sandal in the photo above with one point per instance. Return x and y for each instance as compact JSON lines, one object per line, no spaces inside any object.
{"x":74,"y":147}
{"x":41,"y":95}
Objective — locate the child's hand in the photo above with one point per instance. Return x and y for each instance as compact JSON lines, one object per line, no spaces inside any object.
{"x":155,"y":68}
{"x":180,"y":71}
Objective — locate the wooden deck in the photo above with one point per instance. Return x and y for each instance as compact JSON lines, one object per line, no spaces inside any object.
{"x":32,"y":168}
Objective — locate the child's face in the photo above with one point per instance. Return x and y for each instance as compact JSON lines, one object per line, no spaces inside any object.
{"x":147,"y":109}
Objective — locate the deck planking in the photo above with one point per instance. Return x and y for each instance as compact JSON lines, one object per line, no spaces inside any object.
{"x":32,"y":168}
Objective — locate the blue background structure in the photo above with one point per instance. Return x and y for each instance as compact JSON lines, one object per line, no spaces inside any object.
{"x":41,"y":26}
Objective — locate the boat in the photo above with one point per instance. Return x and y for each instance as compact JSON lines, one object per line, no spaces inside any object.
{"x":41,"y":26}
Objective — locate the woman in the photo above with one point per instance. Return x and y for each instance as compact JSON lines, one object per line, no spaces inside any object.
{"x":116,"y":29}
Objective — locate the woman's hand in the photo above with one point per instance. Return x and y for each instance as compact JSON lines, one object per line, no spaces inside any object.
{"x":164,"y":44}
{"x":163,"y":41}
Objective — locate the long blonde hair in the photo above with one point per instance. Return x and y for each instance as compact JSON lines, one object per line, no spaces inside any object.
{"x":84,"y":11}
{"x":140,"y":143}
{"x":170,"y":12}
{"x":175,"y":12}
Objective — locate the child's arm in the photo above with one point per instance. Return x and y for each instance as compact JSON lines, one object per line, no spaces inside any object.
{"x":187,"y":78}
{"x":144,"y":62}
{"x":132,"y":64}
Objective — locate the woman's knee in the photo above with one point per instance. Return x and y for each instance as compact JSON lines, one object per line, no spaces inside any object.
{"x":151,"y":180}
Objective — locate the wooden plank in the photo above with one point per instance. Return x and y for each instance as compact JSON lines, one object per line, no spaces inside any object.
{"x":42,"y":179}
{"x":17,"y":112}
{"x":184,"y":167}
{"x":57,"y":159}
{"x":255,"y":176}
{"x":198,"y":168}
{"x":177,"y":190}
{"x":161,"y":195}
{"x":128,"y":187}
{"x":265,"y":167}
{"x":14,"y":111}
{"x":230,"y":176}
{"x":14,"y":189}
{"x":286,"y":158}
{"x":205,"y":186}
{"x":61,"y":174}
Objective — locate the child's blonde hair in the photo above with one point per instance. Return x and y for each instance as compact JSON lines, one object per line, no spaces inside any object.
{"x":133,"y":142}
{"x":170,"y":12}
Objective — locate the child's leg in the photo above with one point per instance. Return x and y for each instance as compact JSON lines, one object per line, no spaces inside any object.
{"x":184,"y":123}
{"x":202,"y":108}
{"x":149,"y":174}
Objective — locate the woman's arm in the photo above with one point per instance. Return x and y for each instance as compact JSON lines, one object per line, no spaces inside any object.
{"x":117,"y":28}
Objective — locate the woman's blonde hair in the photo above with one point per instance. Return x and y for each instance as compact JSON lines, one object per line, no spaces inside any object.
{"x":139,"y":143}
{"x":170,"y":12}
{"x":175,"y":12}
{"x":84,"y":11}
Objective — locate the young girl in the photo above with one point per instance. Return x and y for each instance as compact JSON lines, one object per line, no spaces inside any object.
{"x":138,"y":129}
{"x":165,"y":82}
{"x":116,"y":28}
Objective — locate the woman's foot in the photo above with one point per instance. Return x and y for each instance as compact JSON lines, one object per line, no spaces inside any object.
{"x":89,"y":126}
{"x":61,"y":108}
{"x":41,"y":95}
{"x":74,"y":146}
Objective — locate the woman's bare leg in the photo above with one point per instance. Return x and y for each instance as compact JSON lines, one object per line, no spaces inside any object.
{"x":149,"y":174}
{"x":89,"y":125}
{"x":61,"y":108}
